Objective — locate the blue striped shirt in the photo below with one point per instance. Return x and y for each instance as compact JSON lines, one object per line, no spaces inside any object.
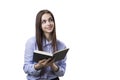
{"x":29,"y":69}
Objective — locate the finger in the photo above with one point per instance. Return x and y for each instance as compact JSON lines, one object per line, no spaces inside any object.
{"x":43,"y":60}
{"x":49,"y":62}
{"x":52,"y":60}
{"x":48,"y":59}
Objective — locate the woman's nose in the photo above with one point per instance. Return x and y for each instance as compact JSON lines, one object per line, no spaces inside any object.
{"x":48,"y":22}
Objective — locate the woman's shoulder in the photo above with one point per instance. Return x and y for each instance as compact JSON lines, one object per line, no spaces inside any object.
{"x":31,"y":40}
{"x":61,"y":44}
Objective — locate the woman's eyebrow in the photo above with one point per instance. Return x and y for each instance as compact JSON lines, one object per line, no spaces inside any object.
{"x":47,"y":19}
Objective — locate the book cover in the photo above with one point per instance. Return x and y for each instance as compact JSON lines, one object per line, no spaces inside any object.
{"x":58,"y":55}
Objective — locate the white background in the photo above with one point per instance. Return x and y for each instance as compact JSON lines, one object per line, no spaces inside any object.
{"x":90,"y":28}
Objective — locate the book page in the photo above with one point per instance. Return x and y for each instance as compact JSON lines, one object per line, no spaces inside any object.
{"x":43,"y":52}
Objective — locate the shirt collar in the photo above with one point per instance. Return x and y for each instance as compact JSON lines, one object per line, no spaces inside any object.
{"x":46,"y":42}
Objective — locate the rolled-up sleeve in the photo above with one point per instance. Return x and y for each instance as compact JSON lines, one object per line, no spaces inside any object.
{"x":62,"y":67}
{"x":61,"y":64}
{"x":28,"y":58}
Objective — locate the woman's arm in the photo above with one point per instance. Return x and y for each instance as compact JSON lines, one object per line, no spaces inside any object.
{"x":28,"y":58}
{"x":59,"y":67}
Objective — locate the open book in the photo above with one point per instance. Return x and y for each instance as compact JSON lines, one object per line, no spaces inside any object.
{"x":58,"y":55}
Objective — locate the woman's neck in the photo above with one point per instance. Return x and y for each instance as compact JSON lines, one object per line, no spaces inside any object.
{"x":48,"y":36}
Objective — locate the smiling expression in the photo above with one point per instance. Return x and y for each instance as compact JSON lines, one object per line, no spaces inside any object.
{"x":47,"y":23}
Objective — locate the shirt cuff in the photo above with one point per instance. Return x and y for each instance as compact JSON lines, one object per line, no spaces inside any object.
{"x":35,"y":72}
{"x":60,"y":72}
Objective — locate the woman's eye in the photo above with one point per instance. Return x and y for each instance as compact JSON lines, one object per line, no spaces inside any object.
{"x":44,"y":21}
{"x":50,"y":20}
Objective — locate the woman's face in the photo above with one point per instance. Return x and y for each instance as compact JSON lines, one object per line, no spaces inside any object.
{"x":47,"y":23}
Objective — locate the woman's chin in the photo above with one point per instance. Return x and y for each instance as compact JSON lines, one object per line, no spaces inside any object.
{"x":49,"y":31}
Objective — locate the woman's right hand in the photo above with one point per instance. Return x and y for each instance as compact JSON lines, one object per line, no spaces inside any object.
{"x":41,"y":63}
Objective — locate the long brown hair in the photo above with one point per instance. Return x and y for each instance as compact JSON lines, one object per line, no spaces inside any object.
{"x":39,"y":32}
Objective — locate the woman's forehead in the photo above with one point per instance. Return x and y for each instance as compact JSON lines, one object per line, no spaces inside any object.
{"x":46,"y":16}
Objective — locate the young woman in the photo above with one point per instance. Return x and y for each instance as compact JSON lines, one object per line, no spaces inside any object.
{"x":45,"y":40}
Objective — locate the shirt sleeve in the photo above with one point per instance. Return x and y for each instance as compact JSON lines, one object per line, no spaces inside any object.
{"x":61,"y":64}
{"x":62,"y":67}
{"x":28,"y":58}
